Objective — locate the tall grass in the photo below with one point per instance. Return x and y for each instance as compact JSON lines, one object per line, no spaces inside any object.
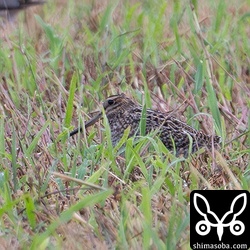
{"x":190,"y":58}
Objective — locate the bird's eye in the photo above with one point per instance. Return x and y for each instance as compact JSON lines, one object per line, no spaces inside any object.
{"x":110,"y":102}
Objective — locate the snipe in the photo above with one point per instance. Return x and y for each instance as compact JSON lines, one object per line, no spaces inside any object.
{"x":177,"y":136}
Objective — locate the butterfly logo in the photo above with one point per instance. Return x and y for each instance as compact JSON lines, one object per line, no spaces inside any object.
{"x":203,"y":227}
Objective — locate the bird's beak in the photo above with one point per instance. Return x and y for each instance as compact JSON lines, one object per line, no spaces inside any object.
{"x":93,"y":120}
{"x":87,"y":124}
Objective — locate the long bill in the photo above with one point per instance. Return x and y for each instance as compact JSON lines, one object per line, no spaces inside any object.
{"x":87,"y":124}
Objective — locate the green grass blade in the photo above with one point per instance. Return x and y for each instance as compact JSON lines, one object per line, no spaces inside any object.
{"x":69,"y":109}
{"x":199,"y":78}
{"x":34,"y":143}
{"x":30,"y":210}
{"x":143,"y":121}
{"x":65,"y":216}
{"x":54,"y":39}
{"x":14,"y":160}
{"x":2,"y":139}
{"x":212,"y":103}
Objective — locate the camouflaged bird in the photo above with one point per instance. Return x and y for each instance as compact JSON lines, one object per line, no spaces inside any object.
{"x":177,"y":136}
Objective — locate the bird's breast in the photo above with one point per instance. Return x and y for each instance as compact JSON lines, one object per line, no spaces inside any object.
{"x":119,"y":122}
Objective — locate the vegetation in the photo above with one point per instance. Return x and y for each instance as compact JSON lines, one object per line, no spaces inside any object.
{"x":59,"y":62}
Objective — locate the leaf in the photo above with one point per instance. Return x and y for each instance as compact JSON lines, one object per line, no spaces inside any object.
{"x":143,"y":121}
{"x":34,"y":143}
{"x":66,"y":216}
{"x":14,"y":160}
{"x":199,"y":78}
{"x":54,"y":40}
{"x":30,"y":211}
{"x":212,"y":103}
{"x":69,"y":108}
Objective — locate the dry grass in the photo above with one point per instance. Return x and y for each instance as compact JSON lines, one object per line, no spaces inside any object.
{"x":80,"y":193}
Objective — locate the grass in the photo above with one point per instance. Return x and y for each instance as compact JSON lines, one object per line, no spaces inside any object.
{"x":57,"y":67}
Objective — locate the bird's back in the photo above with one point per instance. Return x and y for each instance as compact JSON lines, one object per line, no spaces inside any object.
{"x":176,"y":135}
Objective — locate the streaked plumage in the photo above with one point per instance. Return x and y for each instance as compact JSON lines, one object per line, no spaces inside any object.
{"x":122,"y":112}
